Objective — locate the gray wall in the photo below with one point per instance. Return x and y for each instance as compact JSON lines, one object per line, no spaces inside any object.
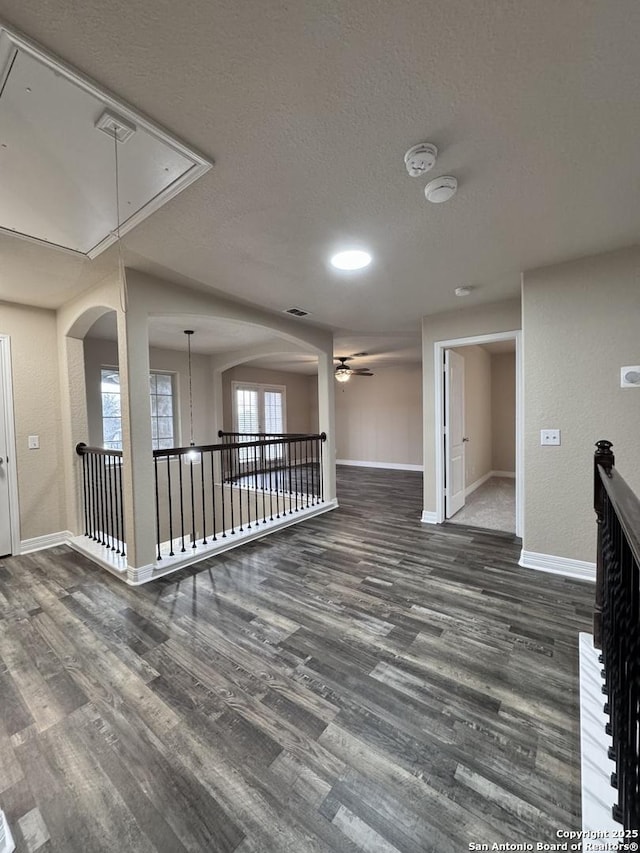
{"x":101,"y":353}
{"x":36,"y":398}
{"x":301,"y":394}
{"x":378,"y":418}
{"x":581,"y":325}
{"x":503,"y":412}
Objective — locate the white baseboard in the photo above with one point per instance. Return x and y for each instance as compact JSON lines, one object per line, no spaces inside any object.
{"x":6,"y":839}
{"x":479,"y":482}
{"x":488,"y":476}
{"x":597,"y":794}
{"x":135,"y":576}
{"x":576,"y":569}
{"x":429,"y":517}
{"x":395,"y":466}
{"x":50,"y":540}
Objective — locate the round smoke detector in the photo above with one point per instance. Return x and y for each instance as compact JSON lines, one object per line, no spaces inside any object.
{"x":420,"y":158}
{"x":441,"y":189}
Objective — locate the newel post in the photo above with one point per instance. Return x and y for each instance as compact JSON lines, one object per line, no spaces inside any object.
{"x":605,"y":459}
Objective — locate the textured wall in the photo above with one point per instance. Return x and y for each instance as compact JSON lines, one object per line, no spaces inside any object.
{"x":301,"y":395}
{"x":503,"y":411}
{"x":378,"y":418}
{"x":581,"y":324}
{"x":477,"y":412}
{"x":478,"y":320}
{"x":36,"y":401}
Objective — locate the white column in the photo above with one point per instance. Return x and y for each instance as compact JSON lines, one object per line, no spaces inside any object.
{"x":327,"y":421}
{"x":73,"y":408}
{"x":137,"y":455}
{"x":218,"y":418}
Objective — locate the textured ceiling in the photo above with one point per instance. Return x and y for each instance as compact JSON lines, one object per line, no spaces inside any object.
{"x":211,"y":335}
{"x":307,"y":109}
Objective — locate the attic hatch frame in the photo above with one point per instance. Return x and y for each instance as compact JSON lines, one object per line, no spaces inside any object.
{"x":12,"y":43}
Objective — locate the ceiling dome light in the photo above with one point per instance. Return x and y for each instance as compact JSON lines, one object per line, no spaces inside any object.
{"x":441,"y":189}
{"x":352,"y":259}
{"x":343,"y":373}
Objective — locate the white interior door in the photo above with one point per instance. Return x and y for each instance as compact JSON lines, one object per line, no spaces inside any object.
{"x":454,"y":432}
{"x":5,"y":501}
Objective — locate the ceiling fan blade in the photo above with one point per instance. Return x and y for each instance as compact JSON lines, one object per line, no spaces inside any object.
{"x":363,"y":373}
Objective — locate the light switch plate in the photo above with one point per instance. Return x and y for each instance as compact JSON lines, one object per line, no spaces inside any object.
{"x":550,"y":437}
{"x":34,"y":442}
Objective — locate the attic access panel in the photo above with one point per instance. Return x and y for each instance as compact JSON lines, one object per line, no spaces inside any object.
{"x":57,"y":169}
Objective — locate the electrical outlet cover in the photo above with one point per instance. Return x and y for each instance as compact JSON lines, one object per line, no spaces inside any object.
{"x":630,"y":376}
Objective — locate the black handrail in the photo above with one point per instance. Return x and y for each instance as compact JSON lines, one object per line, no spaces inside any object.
{"x":227,"y":488}
{"x":617,"y":626}
{"x":234,"y":487}
{"x":285,"y":438}
{"x":103,"y":505}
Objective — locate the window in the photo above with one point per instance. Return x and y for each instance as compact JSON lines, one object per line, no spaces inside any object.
{"x":161,"y":390}
{"x":259,"y":408}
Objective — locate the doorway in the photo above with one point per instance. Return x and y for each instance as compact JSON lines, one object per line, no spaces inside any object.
{"x":478,"y":432}
{"x":9,"y":527}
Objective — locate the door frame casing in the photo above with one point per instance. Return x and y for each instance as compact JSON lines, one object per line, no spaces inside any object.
{"x":10,"y":432}
{"x":438,"y":360}
{"x":452,"y":387}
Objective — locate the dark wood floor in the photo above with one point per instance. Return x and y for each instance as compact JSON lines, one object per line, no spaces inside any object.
{"x":360,"y":682}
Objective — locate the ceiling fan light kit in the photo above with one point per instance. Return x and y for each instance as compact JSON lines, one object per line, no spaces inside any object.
{"x":343,"y":372}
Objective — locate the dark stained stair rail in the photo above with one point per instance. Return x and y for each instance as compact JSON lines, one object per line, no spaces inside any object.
{"x":212,"y":492}
{"x":206,"y":494}
{"x":103,"y":512}
{"x":617,"y":626}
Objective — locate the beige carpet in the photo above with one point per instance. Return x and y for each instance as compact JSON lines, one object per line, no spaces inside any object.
{"x":492,"y":505}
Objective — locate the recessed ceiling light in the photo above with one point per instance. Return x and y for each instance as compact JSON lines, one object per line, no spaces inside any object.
{"x":465,"y":290}
{"x":352,"y":259}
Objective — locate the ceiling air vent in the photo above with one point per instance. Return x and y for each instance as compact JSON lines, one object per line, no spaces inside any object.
{"x":297,"y":312}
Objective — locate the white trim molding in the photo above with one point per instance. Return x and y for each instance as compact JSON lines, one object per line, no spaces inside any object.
{"x":439,"y":348}
{"x":429,"y":517}
{"x":393,"y":466}
{"x":577,"y":569}
{"x":12,"y":43}
{"x":482,"y":480}
{"x":6,"y":407}
{"x":49,"y":540}
{"x":7,"y":844}
{"x":479,"y":482}
{"x":597,"y":794}
{"x":137,"y":575}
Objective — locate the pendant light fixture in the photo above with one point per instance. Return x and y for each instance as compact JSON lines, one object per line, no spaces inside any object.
{"x":120,"y":131}
{"x":192,"y":455}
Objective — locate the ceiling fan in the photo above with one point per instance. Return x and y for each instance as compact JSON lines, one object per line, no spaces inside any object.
{"x":343,"y":371}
